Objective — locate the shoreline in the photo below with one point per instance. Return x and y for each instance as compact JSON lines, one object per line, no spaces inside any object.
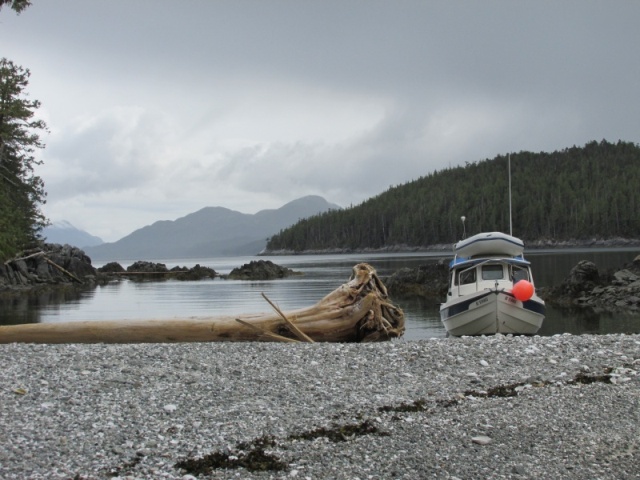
{"x":509,"y":407}
{"x":531,"y":247}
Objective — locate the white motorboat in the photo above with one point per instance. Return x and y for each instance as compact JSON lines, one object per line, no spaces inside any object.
{"x":491,"y":288}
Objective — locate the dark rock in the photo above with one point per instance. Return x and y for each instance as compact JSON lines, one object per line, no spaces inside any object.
{"x":147,"y":267}
{"x":584,"y":276}
{"x":148,"y":271}
{"x":428,"y":280}
{"x":195,"y":273}
{"x":585,"y":287}
{"x":111,"y":267}
{"x":260,"y":270}
{"x":144,"y":271}
{"x":50,"y":264}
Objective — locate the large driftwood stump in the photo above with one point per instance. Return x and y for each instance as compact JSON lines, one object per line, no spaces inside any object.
{"x":358,"y":311}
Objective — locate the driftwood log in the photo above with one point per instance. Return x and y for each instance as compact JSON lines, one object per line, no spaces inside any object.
{"x":358,"y":311}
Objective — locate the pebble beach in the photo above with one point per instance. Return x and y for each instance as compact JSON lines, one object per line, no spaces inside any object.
{"x":456,"y":408}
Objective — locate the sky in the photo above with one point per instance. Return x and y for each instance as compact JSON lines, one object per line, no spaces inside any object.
{"x":158,"y":108}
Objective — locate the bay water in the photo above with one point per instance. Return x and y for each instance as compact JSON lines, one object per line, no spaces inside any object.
{"x":320,"y":274}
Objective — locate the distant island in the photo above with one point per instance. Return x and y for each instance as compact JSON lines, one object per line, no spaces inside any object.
{"x":586,"y":195}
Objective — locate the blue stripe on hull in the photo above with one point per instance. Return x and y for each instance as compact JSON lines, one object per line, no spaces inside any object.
{"x":458,"y":308}
{"x":462,"y":306}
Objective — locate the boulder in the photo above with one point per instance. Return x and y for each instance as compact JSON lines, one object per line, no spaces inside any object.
{"x":585,"y":287}
{"x":195,"y":273}
{"x":142,"y":266}
{"x":428,"y":280}
{"x":260,"y":270}
{"x":111,"y":267}
{"x":583,"y":277}
{"x":50,"y":264}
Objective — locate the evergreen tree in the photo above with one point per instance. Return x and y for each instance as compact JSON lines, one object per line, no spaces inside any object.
{"x":572,"y":194}
{"x":17,"y":5}
{"x":21,"y":191}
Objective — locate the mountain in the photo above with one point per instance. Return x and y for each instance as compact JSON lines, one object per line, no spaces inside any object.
{"x":211,"y":231}
{"x":64,"y":233}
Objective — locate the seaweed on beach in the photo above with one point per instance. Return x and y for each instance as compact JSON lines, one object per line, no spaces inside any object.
{"x":248,"y":455}
{"x":340,"y":433}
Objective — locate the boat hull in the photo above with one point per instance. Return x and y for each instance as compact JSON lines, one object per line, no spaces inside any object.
{"x":489,"y":312}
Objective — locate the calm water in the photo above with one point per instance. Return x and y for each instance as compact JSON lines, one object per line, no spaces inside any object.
{"x":322,"y":274}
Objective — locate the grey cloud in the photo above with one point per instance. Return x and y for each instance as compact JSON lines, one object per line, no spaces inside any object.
{"x":114,"y":152}
{"x":457,"y":81}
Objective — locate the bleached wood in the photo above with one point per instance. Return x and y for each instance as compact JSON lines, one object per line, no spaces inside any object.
{"x":356,"y":311}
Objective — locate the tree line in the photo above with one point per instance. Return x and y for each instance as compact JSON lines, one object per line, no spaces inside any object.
{"x":574,"y":194}
{"x":21,"y":190}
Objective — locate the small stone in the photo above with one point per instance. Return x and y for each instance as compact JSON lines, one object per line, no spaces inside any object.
{"x":481,"y":440}
{"x":484,"y":363}
{"x":170,"y":408}
{"x":519,"y":470}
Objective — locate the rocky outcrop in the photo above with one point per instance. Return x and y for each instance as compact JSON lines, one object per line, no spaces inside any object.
{"x":52,"y":264}
{"x":428,"y":280}
{"x":194,"y":273}
{"x":63,"y":265}
{"x":260,"y":270}
{"x":111,"y":267}
{"x":588,"y":288}
{"x":144,"y":271}
{"x":143,"y":266}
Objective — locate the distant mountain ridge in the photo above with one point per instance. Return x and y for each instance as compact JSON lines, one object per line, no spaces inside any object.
{"x":64,"y":233}
{"x":211,"y":231}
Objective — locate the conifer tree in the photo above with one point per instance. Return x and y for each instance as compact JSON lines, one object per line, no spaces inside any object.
{"x":21,"y":190}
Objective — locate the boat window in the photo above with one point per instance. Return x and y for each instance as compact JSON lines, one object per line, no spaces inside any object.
{"x":468,"y":276}
{"x":519,"y":273}
{"x":492,"y":272}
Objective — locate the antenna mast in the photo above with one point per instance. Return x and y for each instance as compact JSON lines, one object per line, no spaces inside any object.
{"x":510,"y":216}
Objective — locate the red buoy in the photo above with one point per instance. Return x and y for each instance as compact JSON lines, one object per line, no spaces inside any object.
{"x":522,"y":290}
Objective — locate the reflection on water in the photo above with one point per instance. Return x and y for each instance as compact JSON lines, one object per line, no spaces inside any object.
{"x":580,"y":322}
{"x":321,"y":275}
{"x":28,"y":308}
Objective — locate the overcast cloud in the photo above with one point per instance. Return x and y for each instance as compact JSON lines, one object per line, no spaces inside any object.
{"x":159,"y":108}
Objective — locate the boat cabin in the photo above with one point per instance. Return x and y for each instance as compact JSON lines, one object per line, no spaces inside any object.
{"x":467,"y":276}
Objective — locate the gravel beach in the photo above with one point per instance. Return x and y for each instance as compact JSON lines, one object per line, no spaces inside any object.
{"x":468,"y":408}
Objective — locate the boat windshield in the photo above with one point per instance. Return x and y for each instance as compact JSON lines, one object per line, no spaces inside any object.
{"x":464,"y":277}
{"x":468,"y":276}
{"x":519,"y":273}
{"x":492,"y":272}
{"x":490,"y":269}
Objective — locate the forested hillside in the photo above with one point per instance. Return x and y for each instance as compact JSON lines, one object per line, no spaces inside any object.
{"x":577,"y":193}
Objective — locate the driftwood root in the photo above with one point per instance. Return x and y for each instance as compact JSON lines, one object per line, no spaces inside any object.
{"x":358,"y":311}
